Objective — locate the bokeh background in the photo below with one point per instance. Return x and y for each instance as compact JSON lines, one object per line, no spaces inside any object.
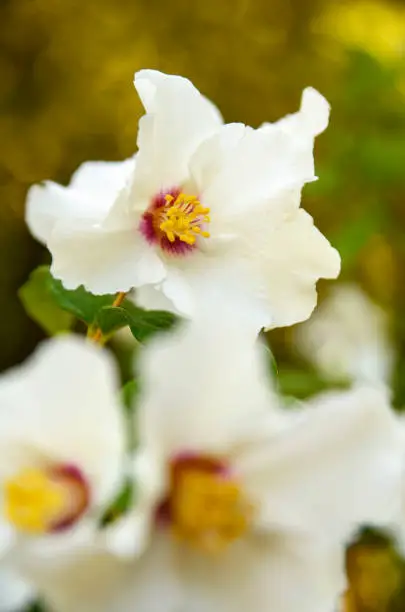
{"x":66,"y":96}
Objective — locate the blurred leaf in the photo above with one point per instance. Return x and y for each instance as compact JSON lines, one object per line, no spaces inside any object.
{"x":53,"y":307}
{"x":129,"y":393}
{"x":120,"y":505}
{"x":299,"y":383}
{"x":39,"y":302}
{"x":36,"y":606}
{"x":142,"y":323}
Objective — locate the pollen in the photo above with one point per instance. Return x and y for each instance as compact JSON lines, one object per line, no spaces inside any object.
{"x":184,"y":218}
{"x":208,"y":508}
{"x":32,"y":500}
{"x":38,"y":501}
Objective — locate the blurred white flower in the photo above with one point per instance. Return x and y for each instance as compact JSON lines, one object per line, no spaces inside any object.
{"x":62,"y":445}
{"x":348,"y":338}
{"x":15,"y":593}
{"x":396,"y":526}
{"x":200,"y":193}
{"x":238,"y":506}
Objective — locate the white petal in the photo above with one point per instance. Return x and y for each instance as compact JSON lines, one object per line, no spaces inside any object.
{"x":178,"y":289}
{"x":102,"y":180}
{"x":396,"y":524}
{"x":96,"y":582}
{"x":337,"y":467}
{"x":62,"y":404}
{"x":184,"y":289}
{"x":91,"y":193}
{"x":104,"y":261}
{"x":178,"y":119}
{"x":85,"y":582}
{"x":156,"y":583}
{"x":7,"y":536}
{"x":256,"y":167}
{"x":207,"y":161}
{"x":50,"y":203}
{"x":15,"y":593}
{"x":262,"y":574}
{"x":312,"y":118}
{"x":286,"y":260}
{"x":128,"y":536}
{"x":152,"y":297}
{"x":206,"y":379}
{"x":178,"y":292}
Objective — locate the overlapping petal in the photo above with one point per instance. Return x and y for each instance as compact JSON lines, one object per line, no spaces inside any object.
{"x":178,"y":118}
{"x":89,"y":196}
{"x":104,"y":260}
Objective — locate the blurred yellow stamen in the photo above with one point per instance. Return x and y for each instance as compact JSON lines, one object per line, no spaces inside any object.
{"x":183,"y":217}
{"x":209,"y":510}
{"x":32,"y":500}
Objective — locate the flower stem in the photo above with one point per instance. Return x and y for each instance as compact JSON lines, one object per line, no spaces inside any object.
{"x":96,"y":335}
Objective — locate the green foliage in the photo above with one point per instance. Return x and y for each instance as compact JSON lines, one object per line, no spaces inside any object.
{"x":54,"y":308}
{"x":80,"y":303}
{"x":39,"y":302}
{"x":142,"y":323}
{"x":301,"y":383}
{"x":129,"y":393}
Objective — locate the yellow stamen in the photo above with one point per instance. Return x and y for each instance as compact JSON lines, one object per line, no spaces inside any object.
{"x":183,"y":218}
{"x":209,"y":511}
{"x":32,"y":500}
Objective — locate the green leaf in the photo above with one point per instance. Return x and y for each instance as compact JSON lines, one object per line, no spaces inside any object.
{"x":40,"y":304}
{"x":120,"y":505}
{"x":81,"y":303}
{"x":299,"y":383}
{"x":129,"y":393}
{"x":142,"y":323}
{"x":53,"y":307}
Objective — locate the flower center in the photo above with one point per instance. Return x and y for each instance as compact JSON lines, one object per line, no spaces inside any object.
{"x":182,"y":218}
{"x":174,"y":220}
{"x":40,"y":501}
{"x":206,"y":506}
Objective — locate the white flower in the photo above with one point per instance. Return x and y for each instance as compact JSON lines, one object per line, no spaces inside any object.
{"x":239,"y":506}
{"x":201,"y":194}
{"x":396,"y":526}
{"x":62,"y":446}
{"x":15,"y":593}
{"x":348,"y":338}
